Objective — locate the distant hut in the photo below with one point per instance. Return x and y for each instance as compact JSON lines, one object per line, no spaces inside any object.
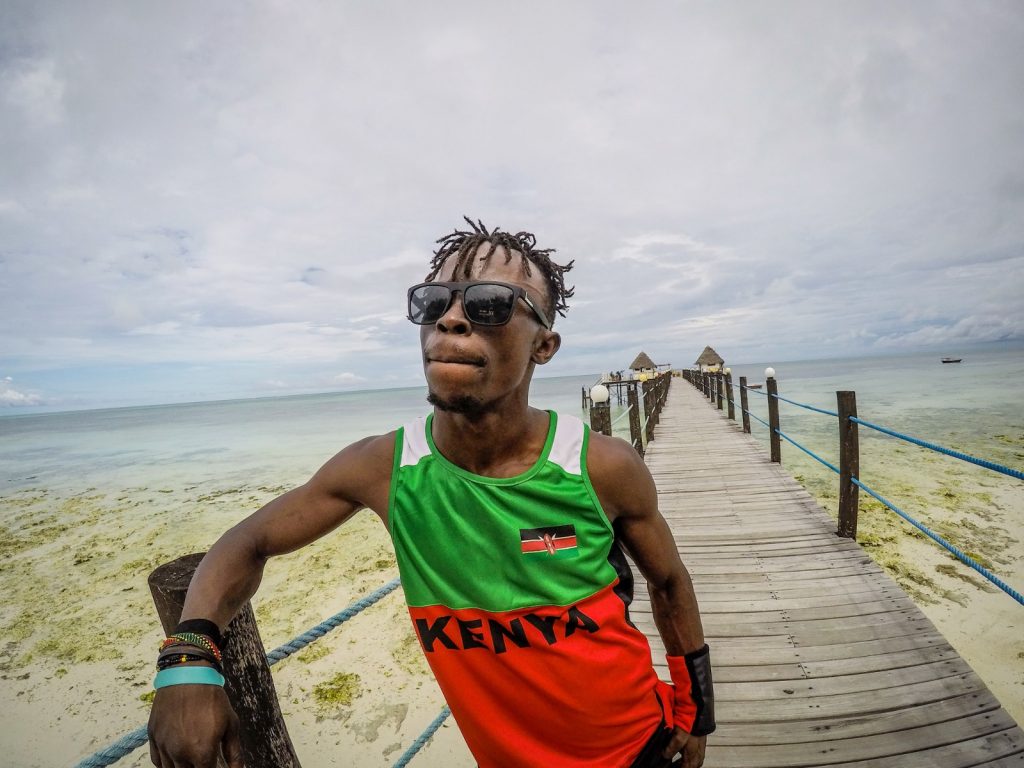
{"x":709,"y":361}
{"x":643,"y":367}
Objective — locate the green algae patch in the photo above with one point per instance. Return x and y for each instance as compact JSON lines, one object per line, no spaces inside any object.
{"x":408,"y":656}
{"x":340,"y":690}
{"x":147,"y":698}
{"x":311,"y":653}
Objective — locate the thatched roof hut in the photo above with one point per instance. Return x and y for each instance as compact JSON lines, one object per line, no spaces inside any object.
{"x":708,"y":359}
{"x":642,"y":361}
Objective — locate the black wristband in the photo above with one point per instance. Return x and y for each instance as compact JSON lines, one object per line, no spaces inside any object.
{"x":698,"y":664}
{"x":201,"y":627}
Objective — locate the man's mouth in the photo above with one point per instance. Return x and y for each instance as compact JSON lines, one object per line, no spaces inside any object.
{"x":454,"y":360}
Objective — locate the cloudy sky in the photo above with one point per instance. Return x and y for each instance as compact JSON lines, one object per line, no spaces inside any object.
{"x":205,"y":200}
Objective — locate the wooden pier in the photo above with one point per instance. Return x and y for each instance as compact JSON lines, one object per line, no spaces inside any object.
{"x":820,"y":659}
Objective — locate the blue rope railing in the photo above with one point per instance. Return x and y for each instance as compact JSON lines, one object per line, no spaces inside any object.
{"x":947,"y":451}
{"x":943,"y":543}
{"x":758,"y":418}
{"x":808,"y":451}
{"x":805,"y":405}
{"x":621,"y":416}
{"x":132,"y":741}
{"x":335,"y":621}
{"x":423,"y":738}
{"x":916,"y":441}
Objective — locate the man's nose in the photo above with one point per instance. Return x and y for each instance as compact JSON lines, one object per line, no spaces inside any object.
{"x":454,"y":319}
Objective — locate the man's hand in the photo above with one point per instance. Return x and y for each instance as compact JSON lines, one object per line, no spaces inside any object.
{"x":692,"y":748}
{"x":190,"y":725}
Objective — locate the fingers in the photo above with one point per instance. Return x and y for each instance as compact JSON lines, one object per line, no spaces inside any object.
{"x":676,"y":743}
{"x":693,"y":752}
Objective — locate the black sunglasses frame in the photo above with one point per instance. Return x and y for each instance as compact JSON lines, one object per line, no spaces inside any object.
{"x":453,"y":288}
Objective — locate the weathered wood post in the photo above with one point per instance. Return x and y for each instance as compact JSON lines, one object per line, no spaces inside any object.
{"x":249,"y":685}
{"x":635,"y":436}
{"x":773,"y":419}
{"x":744,"y":406}
{"x":601,"y":417}
{"x":849,"y":464}
{"x":729,"y":394}
{"x":648,"y":397}
{"x":720,"y":385}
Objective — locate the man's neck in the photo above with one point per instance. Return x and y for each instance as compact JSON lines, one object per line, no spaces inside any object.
{"x":501,"y":443}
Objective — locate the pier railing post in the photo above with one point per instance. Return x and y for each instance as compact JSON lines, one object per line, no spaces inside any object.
{"x":647,"y":389}
{"x":249,"y":685}
{"x":635,"y":436}
{"x":849,"y":464}
{"x":601,"y":417}
{"x":773,"y":419}
{"x":744,"y":406}
{"x":730,"y":396}
{"x":720,"y":384}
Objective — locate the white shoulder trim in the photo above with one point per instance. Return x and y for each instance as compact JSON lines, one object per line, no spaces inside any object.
{"x":414,"y":442}
{"x":567,"y":447}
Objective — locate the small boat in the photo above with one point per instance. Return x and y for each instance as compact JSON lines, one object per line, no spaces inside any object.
{"x":952,"y":359}
{"x":754,"y":386}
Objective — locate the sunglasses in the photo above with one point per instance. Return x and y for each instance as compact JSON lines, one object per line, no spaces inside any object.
{"x":484,"y":303}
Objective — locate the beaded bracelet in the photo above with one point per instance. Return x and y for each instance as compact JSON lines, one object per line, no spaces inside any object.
{"x":201,"y":627}
{"x":175,"y":657}
{"x":191,"y":638}
{"x":188,"y":676}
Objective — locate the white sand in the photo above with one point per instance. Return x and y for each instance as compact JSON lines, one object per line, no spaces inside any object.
{"x":80,"y":633}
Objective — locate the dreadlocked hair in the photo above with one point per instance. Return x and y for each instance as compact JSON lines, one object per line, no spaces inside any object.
{"x":464,"y":245}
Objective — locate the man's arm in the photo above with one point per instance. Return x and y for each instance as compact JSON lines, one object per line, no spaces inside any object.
{"x":629,"y":497}
{"x":357,"y":477}
{"x":192,"y":724}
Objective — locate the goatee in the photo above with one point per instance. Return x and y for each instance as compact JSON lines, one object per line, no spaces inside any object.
{"x":464,"y":405}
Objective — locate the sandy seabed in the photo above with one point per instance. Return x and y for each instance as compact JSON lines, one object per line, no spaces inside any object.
{"x":78,"y":632}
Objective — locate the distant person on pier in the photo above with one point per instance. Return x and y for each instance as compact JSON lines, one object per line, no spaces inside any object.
{"x":509,"y":525}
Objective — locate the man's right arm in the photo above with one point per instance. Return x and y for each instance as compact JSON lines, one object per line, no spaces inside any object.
{"x":357,"y":477}
{"x":190,"y":724}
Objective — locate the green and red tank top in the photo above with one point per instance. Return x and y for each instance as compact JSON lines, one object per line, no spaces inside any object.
{"x":519,"y":595}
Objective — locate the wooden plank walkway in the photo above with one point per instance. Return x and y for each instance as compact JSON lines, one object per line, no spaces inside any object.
{"x":819,"y":658}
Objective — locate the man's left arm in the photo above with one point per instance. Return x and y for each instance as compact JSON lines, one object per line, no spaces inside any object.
{"x":629,"y":497}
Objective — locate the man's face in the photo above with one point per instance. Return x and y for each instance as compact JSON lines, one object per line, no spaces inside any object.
{"x":471,"y":368}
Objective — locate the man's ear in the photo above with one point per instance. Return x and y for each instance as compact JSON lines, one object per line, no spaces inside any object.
{"x":545,"y":345}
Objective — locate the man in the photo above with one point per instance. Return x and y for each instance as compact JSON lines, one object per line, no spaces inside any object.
{"x":508,"y":524}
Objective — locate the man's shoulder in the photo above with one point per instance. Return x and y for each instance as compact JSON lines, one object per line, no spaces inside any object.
{"x":372,"y":455}
{"x":611,"y":453}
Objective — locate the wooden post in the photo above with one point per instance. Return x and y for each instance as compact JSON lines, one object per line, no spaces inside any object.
{"x":635,"y":436}
{"x":601,"y":417}
{"x":849,"y":464}
{"x":720,"y":384}
{"x":773,"y":420}
{"x":648,"y":410}
{"x":250,"y":688}
{"x":744,"y":405}
{"x":730,"y":396}
{"x":583,"y":405}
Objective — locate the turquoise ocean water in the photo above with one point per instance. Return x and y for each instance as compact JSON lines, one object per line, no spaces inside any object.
{"x":976,"y":405}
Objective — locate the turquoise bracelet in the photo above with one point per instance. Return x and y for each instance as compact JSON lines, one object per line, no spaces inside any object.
{"x":188,"y":676}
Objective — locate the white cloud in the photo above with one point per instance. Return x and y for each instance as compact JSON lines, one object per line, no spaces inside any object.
{"x":10,"y":396}
{"x":196,"y":187}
